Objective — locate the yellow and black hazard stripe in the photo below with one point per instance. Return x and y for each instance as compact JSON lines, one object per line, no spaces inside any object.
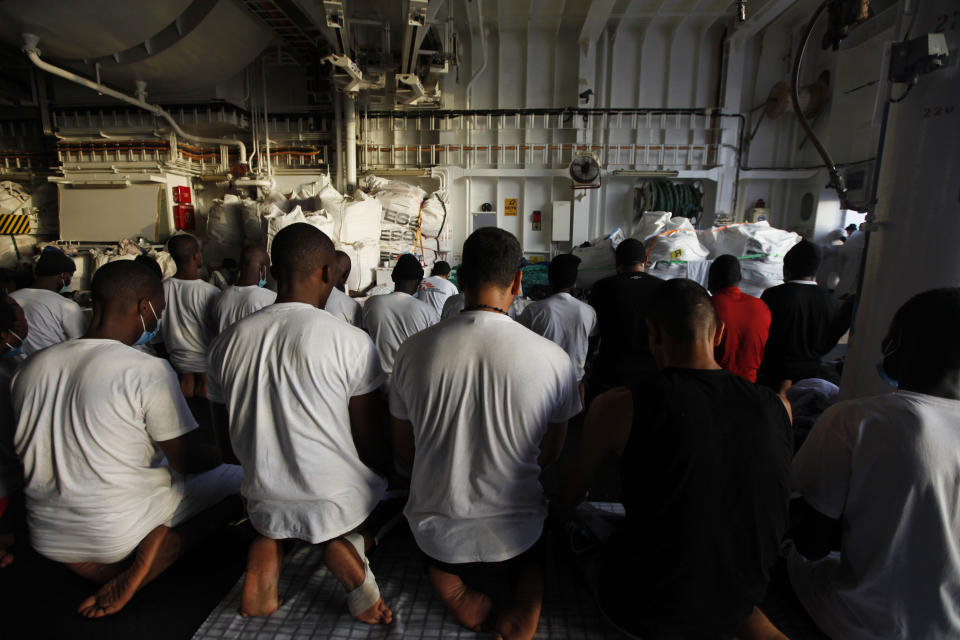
{"x":14,"y":224}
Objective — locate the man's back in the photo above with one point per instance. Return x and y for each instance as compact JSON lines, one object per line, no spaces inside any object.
{"x":188,"y":322}
{"x":435,"y":291}
{"x":566,"y":321}
{"x":286,"y":375}
{"x":706,"y":480}
{"x":887,"y":466}
{"x":802,"y":331}
{"x":236,"y":303}
{"x":621,"y":302}
{"x":479,"y":390}
{"x":51,"y":318}
{"x":90,"y":415}
{"x":747,"y":325}
{"x":391,"y":319}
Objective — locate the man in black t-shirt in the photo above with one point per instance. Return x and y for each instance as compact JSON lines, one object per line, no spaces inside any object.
{"x":621,"y":302}
{"x":806,"y":322}
{"x":705,"y":473}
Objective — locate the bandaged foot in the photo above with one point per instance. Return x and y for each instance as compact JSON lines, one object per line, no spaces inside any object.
{"x":348,"y":562}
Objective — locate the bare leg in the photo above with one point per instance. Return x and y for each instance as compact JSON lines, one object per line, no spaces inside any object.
{"x":6,"y":549}
{"x":346,"y":565}
{"x":470,"y":607}
{"x":155,"y":553}
{"x":519,"y":620}
{"x":200,"y":384}
{"x":260,"y":584}
{"x":759,"y":627}
{"x":187,"y":384}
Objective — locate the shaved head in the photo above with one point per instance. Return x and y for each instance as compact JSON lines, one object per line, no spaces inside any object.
{"x":299,"y":250}
{"x":124,"y":283}
{"x":344,"y":265}
{"x":683,"y":310}
{"x":254,"y":254}
{"x":182,"y":247}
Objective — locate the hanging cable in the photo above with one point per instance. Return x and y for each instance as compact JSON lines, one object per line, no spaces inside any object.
{"x":836,"y":179}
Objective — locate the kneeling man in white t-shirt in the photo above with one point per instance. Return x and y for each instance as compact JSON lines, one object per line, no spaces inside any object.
{"x":877,"y":534}
{"x":95,"y":420}
{"x":297,"y":389}
{"x":478,"y":423}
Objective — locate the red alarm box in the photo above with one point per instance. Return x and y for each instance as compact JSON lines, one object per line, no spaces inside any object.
{"x":183,"y":217}
{"x":182,"y":195}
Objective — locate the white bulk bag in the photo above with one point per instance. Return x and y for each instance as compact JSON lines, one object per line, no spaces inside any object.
{"x":433,"y":214}
{"x":277,"y":220}
{"x":225,"y":221}
{"x":762,"y":238}
{"x":682,"y":244}
{"x":361,"y":221}
{"x":364,"y":259}
{"x":761,"y":274}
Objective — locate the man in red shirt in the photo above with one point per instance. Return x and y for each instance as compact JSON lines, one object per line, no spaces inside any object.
{"x":747,"y":320}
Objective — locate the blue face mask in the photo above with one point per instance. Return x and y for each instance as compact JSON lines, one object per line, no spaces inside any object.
{"x":63,"y":289}
{"x":263,"y":278}
{"x":12,"y":351}
{"x":147,"y":336}
{"x":882,"y":372}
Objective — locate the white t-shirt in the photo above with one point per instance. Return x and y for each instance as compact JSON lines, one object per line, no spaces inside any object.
{"x":393,"y":318}
{"x":479,"y":390}
{"x":189,"y":322}
{"x":435,"y":291}
{"x":51,"y":318}
{"x":342,"y":306}
{"x":889,"y":467}
{"x":286,"y":375}
{"x":452,"y":306}
{"x":236,"y":303}
{"x":456,"y":303}
{"x":566,"y":321}
{"x":90,"y":413}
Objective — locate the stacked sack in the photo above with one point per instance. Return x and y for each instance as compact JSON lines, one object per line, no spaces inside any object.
{"x":411,"y":222}
{"x":353,"y":225}
{"x":676,"y":250}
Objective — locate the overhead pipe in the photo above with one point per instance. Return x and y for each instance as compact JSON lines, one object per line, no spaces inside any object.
{"x":338,"y":126}
{"x":30,"y":48}
{"x":483,"y":47}
{"x":350,"y":119}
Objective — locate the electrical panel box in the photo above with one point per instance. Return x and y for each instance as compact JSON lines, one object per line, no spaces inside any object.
{"x":181,"y":195}
{"x":184,"y":217}
{"x":561,"y":221}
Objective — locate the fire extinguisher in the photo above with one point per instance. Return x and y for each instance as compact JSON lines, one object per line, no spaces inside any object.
{"x":537,"y":219}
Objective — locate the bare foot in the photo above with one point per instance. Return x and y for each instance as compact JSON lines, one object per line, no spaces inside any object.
{"x":260,"y":585}
{"x":519,"y":621}
{"x":379,"y":613}
{"x":471,"y":608}
{"x":346,"y":565}
{"x":117,"y":591}
{"x":759,"y":627}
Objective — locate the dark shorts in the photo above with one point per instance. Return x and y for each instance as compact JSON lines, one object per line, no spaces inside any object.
{"x":495,"y":579}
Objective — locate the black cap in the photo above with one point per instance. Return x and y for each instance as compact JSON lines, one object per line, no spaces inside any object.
{"x":408,"y":268}
{"x":563,"y":270}
{"x":631,"y":251}
{"x":53,"y":262}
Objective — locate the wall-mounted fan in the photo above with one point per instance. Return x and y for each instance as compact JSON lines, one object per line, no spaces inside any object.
{"x":585,"y":171}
